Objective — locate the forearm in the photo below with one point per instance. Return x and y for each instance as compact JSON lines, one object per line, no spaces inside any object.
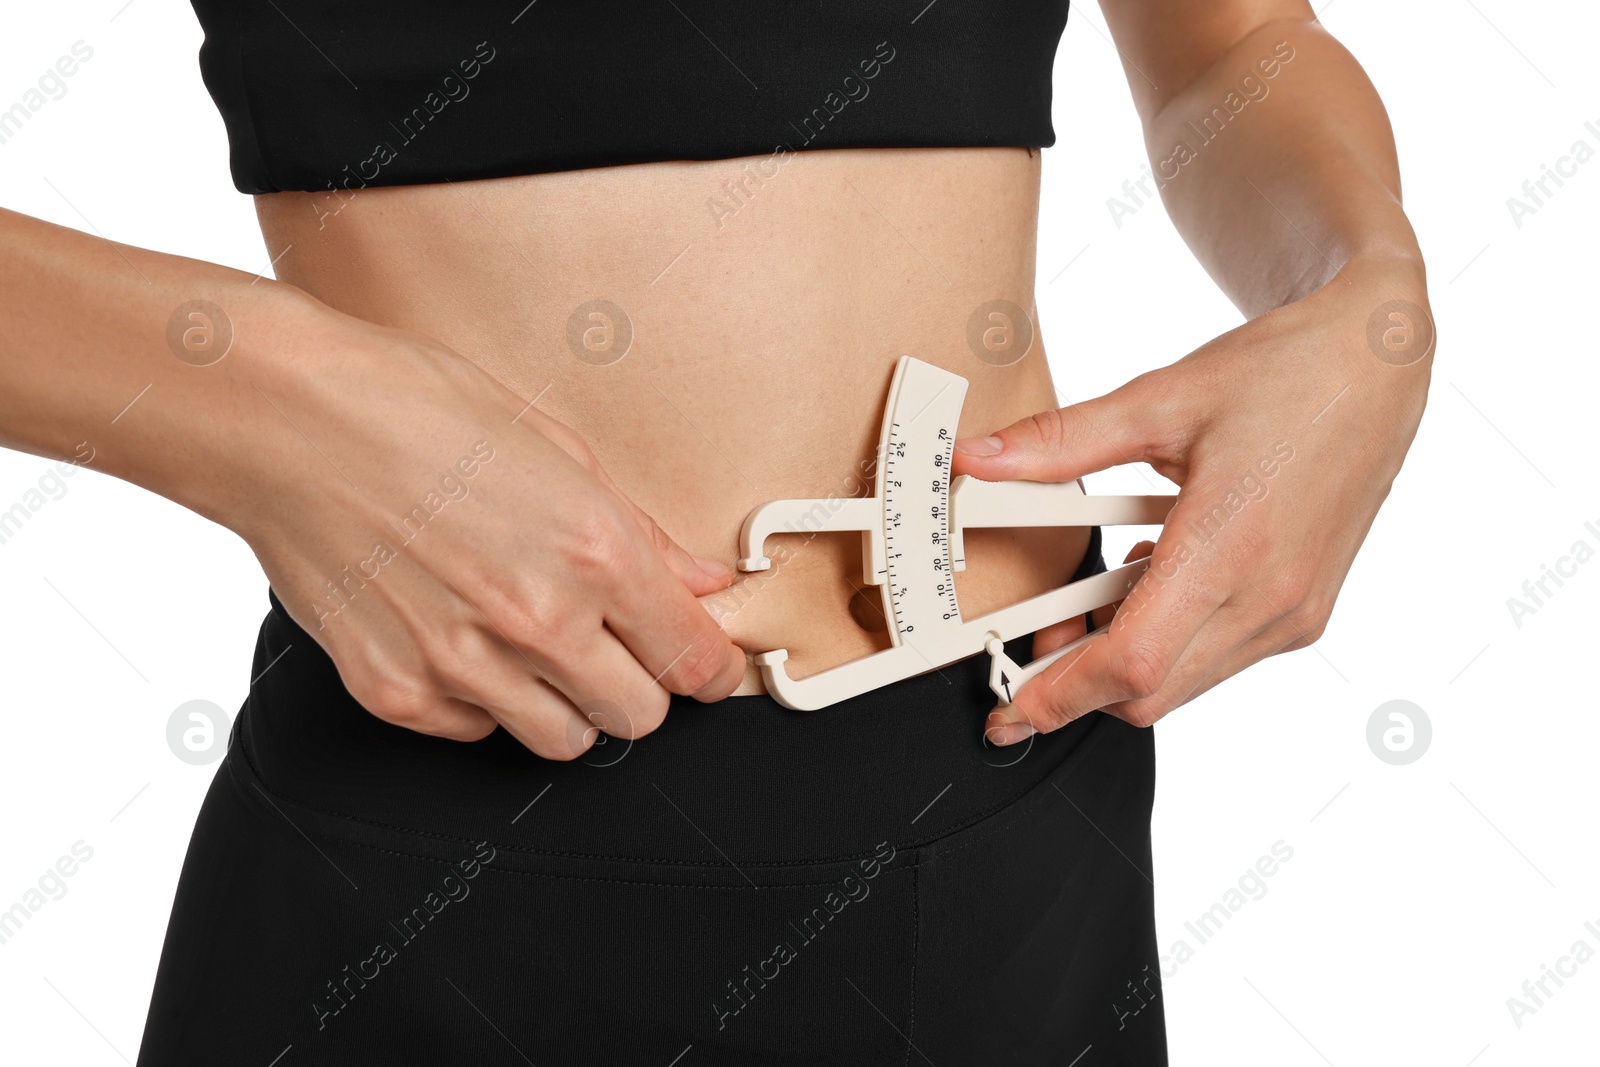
{"x":89,"y":373}
{"x":1277,"y":165}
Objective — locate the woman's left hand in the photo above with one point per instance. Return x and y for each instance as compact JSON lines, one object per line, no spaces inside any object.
{"x":1284,"y":436}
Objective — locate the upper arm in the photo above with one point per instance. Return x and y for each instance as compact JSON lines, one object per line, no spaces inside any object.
{"x":1167,"y":44}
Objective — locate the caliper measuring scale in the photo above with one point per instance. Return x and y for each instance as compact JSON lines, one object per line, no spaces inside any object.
{"x":912,"y":531}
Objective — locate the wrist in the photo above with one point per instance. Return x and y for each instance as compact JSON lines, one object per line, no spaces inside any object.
{"x":208,"y":436}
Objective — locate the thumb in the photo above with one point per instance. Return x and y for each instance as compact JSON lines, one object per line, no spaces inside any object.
{"x":701,"y":576}
{"x":1059,"y":444}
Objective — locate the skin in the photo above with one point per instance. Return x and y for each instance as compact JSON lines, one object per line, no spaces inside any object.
{"x":1295,"y":212}
{"x":761,"y":357}
{"x":580,"y":577}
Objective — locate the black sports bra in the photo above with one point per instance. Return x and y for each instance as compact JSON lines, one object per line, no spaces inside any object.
{"x":331,"y":94}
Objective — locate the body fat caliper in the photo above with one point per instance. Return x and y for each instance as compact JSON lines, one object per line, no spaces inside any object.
{"x":912,"y":546}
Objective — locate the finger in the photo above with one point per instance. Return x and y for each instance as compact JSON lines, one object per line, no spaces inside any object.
{"x":1059,"y":635}
{"x":1189,"y":684}
{"x":1262,"y":631}
{"x":1050,"y":638}
{"x":1139,"y":551}
{"x":700,"y":575}
{"x":1058,"y":445}
{"x":607,"y":685}
{"x":563,"y":436}
{"x":1132,"y":660}
{"x":1230,"y":630}
{"x":403,"y":699}
{"x":1103,"y":615}
{"x":1248,"y":654}
{"x":671,"y":635}
{"x":457,"y":720}
{"x":532,"y":711}
{"x":1263,"y":646}
{"x":602,"y":682}
{"x":654,"y":611}
{"x":544,"y":720}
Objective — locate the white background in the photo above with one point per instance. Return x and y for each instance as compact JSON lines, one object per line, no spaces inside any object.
{"x":1419,"y":897}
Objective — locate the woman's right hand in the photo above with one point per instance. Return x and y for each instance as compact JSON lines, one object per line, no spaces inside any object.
{"x":462,"y":557}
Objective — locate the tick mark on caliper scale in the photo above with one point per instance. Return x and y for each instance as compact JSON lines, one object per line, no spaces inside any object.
{"x":913,"y":544}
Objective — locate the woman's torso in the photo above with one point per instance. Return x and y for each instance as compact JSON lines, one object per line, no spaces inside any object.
{"x":762,"y":304}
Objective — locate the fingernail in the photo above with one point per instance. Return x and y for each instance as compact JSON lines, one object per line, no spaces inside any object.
{"x":980,"y":446}
{"x":1000,"y":732}
{"x":711,"y":567}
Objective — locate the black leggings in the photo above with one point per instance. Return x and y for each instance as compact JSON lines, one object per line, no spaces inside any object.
{"x":865,"y":884}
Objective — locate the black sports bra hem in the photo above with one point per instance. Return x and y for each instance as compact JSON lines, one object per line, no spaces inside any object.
{"x":443,"y":172}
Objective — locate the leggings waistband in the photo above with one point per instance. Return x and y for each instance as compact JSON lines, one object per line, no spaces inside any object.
{"x":743,"y":779}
